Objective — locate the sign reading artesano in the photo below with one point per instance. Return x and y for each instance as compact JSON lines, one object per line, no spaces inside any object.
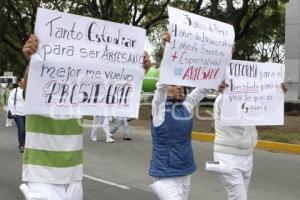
{"x":85,"y":66}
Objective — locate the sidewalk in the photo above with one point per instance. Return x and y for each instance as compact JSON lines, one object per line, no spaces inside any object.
{"x":261,"y":144}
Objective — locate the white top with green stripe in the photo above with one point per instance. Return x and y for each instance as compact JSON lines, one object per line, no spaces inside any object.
{"x":53,"y":150}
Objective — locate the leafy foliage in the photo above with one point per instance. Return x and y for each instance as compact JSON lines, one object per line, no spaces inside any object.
{"x":253,"y":42}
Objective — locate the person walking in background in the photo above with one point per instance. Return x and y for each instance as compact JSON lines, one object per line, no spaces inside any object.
{"x":9,"y":121}
{"x":118,"y":122}
{"x":16,"y":107}
{"x":101,"y":122}
{"x":4,"y":101}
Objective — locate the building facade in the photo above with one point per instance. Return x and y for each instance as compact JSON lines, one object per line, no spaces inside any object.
{"x":292,"y":44}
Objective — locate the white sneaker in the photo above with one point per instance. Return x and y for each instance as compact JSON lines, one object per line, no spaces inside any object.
{"x":24,"y":188}
{"x":94,"y":139}
{"x":109,"y":140}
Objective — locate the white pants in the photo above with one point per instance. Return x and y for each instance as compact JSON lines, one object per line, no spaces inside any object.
{"x":237,"y":182}
{"x":118,"y":123}
{"x":8,"y":121}
{"x":42,"y":191}
{"x":175,"y":188}
{"x":103,"y":122}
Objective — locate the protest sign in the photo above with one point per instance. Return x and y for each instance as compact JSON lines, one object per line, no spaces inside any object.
{"x":199,"y":50}
{"x":254,"y":96}
{"x":85,"y":66}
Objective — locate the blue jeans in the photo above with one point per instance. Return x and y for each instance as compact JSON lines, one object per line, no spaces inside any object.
{"x":20,"y":122}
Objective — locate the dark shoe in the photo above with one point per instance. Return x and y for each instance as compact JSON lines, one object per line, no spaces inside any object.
{"x":127,"y":138}
{"x":21,"y":148}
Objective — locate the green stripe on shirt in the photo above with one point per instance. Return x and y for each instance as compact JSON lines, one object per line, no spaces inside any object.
{"x":59,"y":159}
{"x":47,"y":125}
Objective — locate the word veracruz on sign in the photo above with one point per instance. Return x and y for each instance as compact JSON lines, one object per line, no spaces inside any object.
{"x":199,"y":50}
{"x":255,"y":95}
{"x":85,"y":66}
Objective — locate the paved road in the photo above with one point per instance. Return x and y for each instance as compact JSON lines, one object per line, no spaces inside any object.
{"x":118,"y":171}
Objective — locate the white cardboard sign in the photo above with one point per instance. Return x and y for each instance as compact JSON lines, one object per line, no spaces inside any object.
{"x":85,"y":66}
{"x":255,"y":95}
{"x":199,"y":50}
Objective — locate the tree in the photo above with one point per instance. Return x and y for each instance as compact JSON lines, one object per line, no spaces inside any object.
{"x":247,"y":16}
{"x":18,"y":18}
{"x":265,"y":38}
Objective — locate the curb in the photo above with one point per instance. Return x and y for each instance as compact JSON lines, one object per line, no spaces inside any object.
{"x":261,"y":144}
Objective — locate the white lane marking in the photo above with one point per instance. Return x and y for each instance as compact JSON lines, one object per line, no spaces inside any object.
{"x":124,"y":187}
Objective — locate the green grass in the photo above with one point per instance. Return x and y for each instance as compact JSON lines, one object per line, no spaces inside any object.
{"x":269,"y":134}
{"x":279,"y":135}
{"x":285,"y":134}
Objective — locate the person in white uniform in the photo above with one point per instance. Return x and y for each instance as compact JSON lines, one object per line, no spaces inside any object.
{"x":118,"y":122}
{"x":233,"y":154}
{"x":101,"y":122}
{"x":4,"y":101}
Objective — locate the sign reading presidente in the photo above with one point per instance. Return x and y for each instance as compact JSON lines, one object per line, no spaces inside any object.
{"x":199,"y":50}
{"x":254,"y":96}
{"x":85,"y":66}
